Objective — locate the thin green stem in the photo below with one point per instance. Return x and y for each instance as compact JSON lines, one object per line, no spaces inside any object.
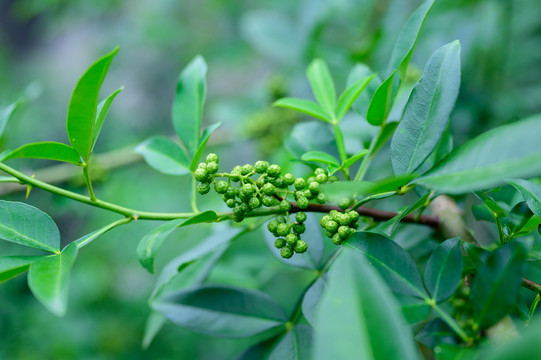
{"x":89,"y":183}
{"x":194,"y":195}
{"x":451,"y":322}
{"x":341,"y":148}
{"x":532,"y":309}
{"x":89,"y":238}
{"x":9,"y":179}
{"x":499,"y":226}
{"x":368,"y":157}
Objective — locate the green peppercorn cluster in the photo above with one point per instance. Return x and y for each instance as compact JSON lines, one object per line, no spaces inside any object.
{"x":340,"y":225}
{"x":289,"y":235}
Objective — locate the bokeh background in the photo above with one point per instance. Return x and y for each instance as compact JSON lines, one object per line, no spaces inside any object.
{"x":256,"y":52}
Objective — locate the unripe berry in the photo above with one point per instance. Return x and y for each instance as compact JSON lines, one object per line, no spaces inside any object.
{"x":344,"y":203}
{"x":249,"y":189}
{"x":238,"y":217}
{"x":246,"y":169}
{"x":319,"y":171}
{"x":200,"y":174}
{"x":212,"y":167}
{"x":279,"y":182}
{"x":298,"y":228}
{"x":300,"y":183}
{"x":333,"y":178}
{"x":344,"y":219}
{"x":307,"y":194}
{"x":281,"y":219}
{"x":245,"y":208}
{"x":291,"y":239}
{"x":343,"y":232}
{"x":231,"y":192}
{"x":289,"y":179}
{"x":221,"y":187}
{"x":261,"y":166}
{"x":274,"y":170}
{"x":335,"y":215}
{"x":285,"y":205}
{"x":230,"y":203}
{"x":321,"y":198}
{"x":267,"y":200}
{"x":336,"y":239}
{"x":237,"y":211}
{"x":331,"y":226}
{"x":279,"y":243}
{"x":212,"y":158}
{"x":321,"y":178}
{"x":324,"y":220}
{"x":329,"y":234}
{"x":354,"y":225}
{"x":286,"y":252}
{"x":353,"y":215}
{"x":301,"y":247}
{"x":203,"y":188}
{"x":303,"y":202}
{"x":300,"y":217}
{"x":272,"y":226}
{"x":314,"y":187}
{"x":268,"y":189}
{"x":282,"y":229}
{"x":254,"y":203}
{"x":311,"y":179}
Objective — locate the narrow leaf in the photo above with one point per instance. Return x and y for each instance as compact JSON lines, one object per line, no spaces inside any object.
{"x":151,"y":242}
{"x":390,"y":226}
{"x":427,"y":111}
{"x":360,"y":71}
{"x":322,"y":85}
{"x":350,"y":161}
{"x":304,"y":106}
{"x":531,"y":192}
{"x":48,"y":150}
{"x":312,"y":299}
{"x":350,"y":95}
{"x":222,"y":311}
{"x":164,"y":155}
{"x":82,"y":109}
{"x":321,"y":157}
{"x":155,"y":322}
{"x":354,"y":323}
{"x":6,"y":114}
{"x":189,"y":101}
{"x":26,"y":225}
{"x":444,"y":270}
{"x":341,"y":189}
{"x":203,"y":143}
{"x":407,"y":39}
{"x":509,"y":151}
{"x":413,"y":309}
{"x":48,"y":279}
{"x":295,"y":345}
{"x":87,"y":239}
{"x":381,"y":102}
{"x":103,"y":109}
{"x":11,"y":266}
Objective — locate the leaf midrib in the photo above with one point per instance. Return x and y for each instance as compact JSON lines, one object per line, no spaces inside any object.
{"x":42,"y":246}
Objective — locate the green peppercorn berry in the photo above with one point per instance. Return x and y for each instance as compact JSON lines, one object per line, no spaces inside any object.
{"x":298,"y":228}
{"x":344,"y":203}
{"x":314,"y":187}
{"x":321,"y":198}
{"x":231,"y":192}
{"x":245,"y":208}
{"x":333,"y":178}
{"x":281,"y":219}
{"x":230,"y":203}
{"x":354,"y":225}
{"x":237,"y":210}
{"x":254,"y":203}
{"x":236,"y":170}
{"x":274,"y":170}
{"x":202,"y":165}
{"x":344,"y":219}
{"x":285,"y":205}
{"x":324,"y":220}
{"x":244,"y":196}
{"x":308,"y":194}
{"x":303,"y":202}
{"x":221,"y":187}
{"x":331,"y":226}
{"x":282,"y":229}
{"x":279,"y":182}
{"x":329,"y":234}
{"x":289,"y":179}
{"x":261,"y":166}
{"x":319,"y":171}
{"x":311,"y":179}
{"x":353,"y":215}
{"x":212,"y":167}
{"x":272,"y":226}
{"x":335,"y":215}
{"x":212,"y":158}
{"x":267,"y":200}
{"x":337,"y":240}
{"x":291,"y":239}
{"x":343,"y":232}
{"x":300,"y":217}
{"x":279,"y":243}
{"x":301,"y":247}
{"x":248,"y":189}
{"x":203,"y":188}
{"x":286,"y":252}
{"x":238,"y":217}
{"x":246,"y":169}
{"x":200,"y":174}
{"x":321,"y":178}
{"x":300,"y":183}
{"x":268,"y":189}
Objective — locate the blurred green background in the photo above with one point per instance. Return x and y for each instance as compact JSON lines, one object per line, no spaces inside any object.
{"x":256,"y":52}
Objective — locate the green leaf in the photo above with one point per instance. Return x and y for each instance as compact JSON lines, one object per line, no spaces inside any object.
{"x":525,"y":346}
{"x":6,"y":114}
{"x":82,"y":109}
{"x":381,"y":102}
{"x":427,"y":111}
{"x":155,"y":322}
{"x":341,"y":189}
{"x":413,"y":309}
{"x":351,"y":160}
{"x":403,"y":49}
{"x":350,"y":95}
{"x":304,"y":106}
{"x":443,"y":270}
{"x":496,"y":285}
{"x":354,"y":323}
{"x":222,"y":311}
{"x":87,"y":239}
{"x":493,"y":206}
{"x":189,"y":101}
{"x":11,"y":266}
{"x":48,"y":150}
{"x":202,"y":144}
{"x":509,"y":151}
{"x":358,"y":72}
{"x":322,"y":85}
{"x":320,"y":157}
{"x":151,"y":242}
{"x":312,"y":299}
{"x":531,"y":192}
{"x":103,"y":109}
{"x":295,"y":345}
{"x":390,"y":226}
{"x":435,"y":333}
{"x":164,"y":155}
{"x":393,"y":263}
{"x":48,"y":279}
{"x":25,"y":225}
